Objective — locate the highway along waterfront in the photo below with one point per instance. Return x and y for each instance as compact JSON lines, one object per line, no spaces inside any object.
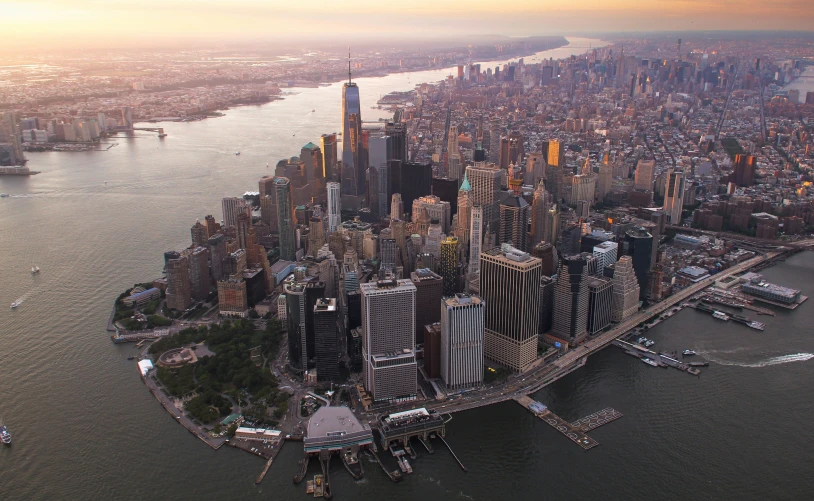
{"x":85,"y":426}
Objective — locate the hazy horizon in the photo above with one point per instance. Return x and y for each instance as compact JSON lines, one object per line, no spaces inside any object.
{"x":47,"y":24}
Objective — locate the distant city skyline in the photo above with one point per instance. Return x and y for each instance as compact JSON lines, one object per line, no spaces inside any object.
{"x":87,"y":22}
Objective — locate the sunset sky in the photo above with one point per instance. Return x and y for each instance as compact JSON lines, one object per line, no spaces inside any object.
{"x":99,"y":22}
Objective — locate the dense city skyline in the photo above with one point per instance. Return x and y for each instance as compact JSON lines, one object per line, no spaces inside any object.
{"x":423,"y":231}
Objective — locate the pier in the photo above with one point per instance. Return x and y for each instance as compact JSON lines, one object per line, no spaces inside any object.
{"x":453,"y":453}
{"x":574,"y":433}
{"x":597,"y":419}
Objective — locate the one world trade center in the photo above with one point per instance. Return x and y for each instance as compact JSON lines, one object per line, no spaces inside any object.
{"x":353,"y":164}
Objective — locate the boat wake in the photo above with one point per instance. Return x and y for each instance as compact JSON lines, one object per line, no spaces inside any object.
{"x":782,"y":359}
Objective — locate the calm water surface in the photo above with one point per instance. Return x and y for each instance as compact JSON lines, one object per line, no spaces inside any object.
{"x":86,"y":428}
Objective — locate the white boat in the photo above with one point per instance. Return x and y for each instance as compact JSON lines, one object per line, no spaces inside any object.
{"x":237,"y":153}
{"x":3,"y":195}
{"x":649,"y":343}
{"x":688,"y":352}
{"x":720,"y":316}
{"x":35,"y":270}
{"x":15,"y":304}
{"x":650,"y":362}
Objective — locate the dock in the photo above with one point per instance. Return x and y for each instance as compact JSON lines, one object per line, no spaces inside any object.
{"x":265,"y":470}
{"x":574,"y":433}
{"x":662,"y":359}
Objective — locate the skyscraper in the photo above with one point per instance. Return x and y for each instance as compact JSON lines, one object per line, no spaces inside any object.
{"x":232,"y":206}
{"x":625,"y":290}
{"x":645,"y":172}
{"x":285,"y":219}
{"x":396,"y":206}
{"x":334,"y":207}
{"x":199,"y":280}
{"x":217,"y":252}
{"x":510,"y":286}
{"x":547,"y":286}
{"x":449,"y":265}
{"x":429,"y":291}
{"x":436,"y":209}
{"x":353,"y":166}
{"x":416,"y":181}
{"x":570,"y":317}
{"x":600,"y":304}
{"x":639,"y":245}
{"x":605,"y":181}
{"x":179,"y":296}
{"x":485,"y":181}
{"x":540,"y":227}
{"x":674,"y":196}
{"x":297,"y":345}
{"x":514,"y":222}
{"x":605,"y":255}
{"x":329,"y":157}
{"x":462,"y":333}
{"x":388,"y":349}
{"x":326,"y":339}
{"x":199,"y":233}
{"x":475,"y":238}
{"x":464,"y":214}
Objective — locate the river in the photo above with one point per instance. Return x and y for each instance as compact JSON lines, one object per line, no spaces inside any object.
{"x":85,"y":427}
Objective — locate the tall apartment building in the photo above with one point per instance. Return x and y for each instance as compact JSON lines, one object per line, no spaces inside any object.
{"x":326,"y":339}
{"x":625,"y":290}
{"x":462,"y":333}
{"x":199,"y":234}
{"x":388,"y":349}
{"x":510,"y":286}
{"x":232,"y":206}
{"x":179,"y":296}
{"x":232,"y":297}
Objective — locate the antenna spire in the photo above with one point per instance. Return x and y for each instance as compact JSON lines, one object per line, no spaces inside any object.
{"x":349,"y":74}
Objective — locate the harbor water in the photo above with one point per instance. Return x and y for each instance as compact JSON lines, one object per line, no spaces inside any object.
{"x":85,"y":427}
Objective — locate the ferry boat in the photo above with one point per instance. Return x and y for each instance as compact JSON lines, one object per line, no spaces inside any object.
{"x":720,"y":316}
{"x":35,"y":270}
{"x":650,"y":362}
{"x":16,"y":304}
{"x":5,"y":435}
{"x":688,"y":352}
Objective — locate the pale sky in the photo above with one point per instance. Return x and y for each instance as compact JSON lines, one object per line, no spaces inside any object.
{"x":115,"y":22}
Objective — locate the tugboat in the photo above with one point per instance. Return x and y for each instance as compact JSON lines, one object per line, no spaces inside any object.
{"x":237,"y":153}
{"x":687,"y":353}
{"x":5,"y":435}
